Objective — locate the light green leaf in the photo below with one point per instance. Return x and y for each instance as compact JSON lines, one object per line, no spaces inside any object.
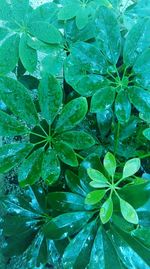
{"x":9,"y":126}
{"x":103,"y":99}
{"x":72,"y":114}
{"x":82,"y":18}
{"x":69,"y":11}
{"x":45,"y":32}
{"x":18,"y":100}
{"x":138,"y":39}
{"x":27,"y":55}
{"x":50,"y":97}
{"x":11,"y":155}
{"x":98,"y":185}
{"x":66,"y":153}
{"x":142,"y":69}
{"x":106,"y":210}
{"x":110,"y":163}
{"x":96,"y":175}
{"x":78,"y":139}
{"x":9,"y":53}
{"x":146,"y":133}
{"x":131,"y":167}
{"x":108,"y":34}
{"x":128,"y":212}
{"x":94,"y":197}
{"x":30,"y":170}
{"x":50,"y":167}
{"x":122,"y":107}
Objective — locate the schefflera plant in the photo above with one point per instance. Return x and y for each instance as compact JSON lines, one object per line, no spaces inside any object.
{"x":109,"y":186}
{"x":51,"y":132}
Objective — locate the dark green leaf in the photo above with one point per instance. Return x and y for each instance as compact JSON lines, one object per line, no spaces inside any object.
{"x":108,"y":34}
{"x":146,"y":133}
{"x":17,"y":98}
{"x":9,"y":53}
{"x":73,"y":183}
{"x":78,"y":139}
{"x":122,"y":107}
{"x":50,"y":167}
{"x":50,"y":97}
{"x":9,"y":126}
{"x":66,"y":153}
{"x":30,"y":170}
{"x":102,"y":99}
{"x":66,"y":224}
{"x":27,"y":55}
{"x":72,"y":114}
{"x":11,"y":155}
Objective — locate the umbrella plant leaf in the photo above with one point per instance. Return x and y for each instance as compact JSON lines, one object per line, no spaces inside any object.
{"x":96,"y":176}
{"x":122,"y":107}
{"x":94,"y":197}
{"x":102,"y":99}
{"x":131,"y":167}
{"x":110,"y":163}
{"x":106,"y":210}
{"x":128,"y":212}
{"x":66,"y":153}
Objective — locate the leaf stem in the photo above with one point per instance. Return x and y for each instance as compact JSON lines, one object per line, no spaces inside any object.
{"x":79,"y":156}
{"x":144,"y":156}
{"x":117,"y":139}
{"x":42,"y":129}
{"x":40,"y":142}
{"x":37,"y":134}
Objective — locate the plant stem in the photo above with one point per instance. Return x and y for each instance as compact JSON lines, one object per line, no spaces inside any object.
{"x":37,"y":134}
{"x":144,"y":156}
{"x":117,"y":139}
{"x":42,"y":129}
{"x":79,"y":156}
{"x":40,"y":142}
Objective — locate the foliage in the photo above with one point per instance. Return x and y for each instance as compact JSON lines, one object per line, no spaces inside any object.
{"x":75,"y":101}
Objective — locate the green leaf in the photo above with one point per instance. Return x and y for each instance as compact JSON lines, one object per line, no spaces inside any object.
{"x":72,"y":114}
{"x":140,"y":98}
{"x":66,"y":224}
{"x":131,"y":167}
{"x":30,"y":170}
{"x":77,"y":253}
{"x":18,"y":100}
{"x":50,"y":97}
{"x":45,"y":31}
{"x":73,"y":182}
{"x":146,"y":133}
{"x":122,"y":107}
{"x":78,"y":139}
{"x":108,"y":34}
{"x":138,"y":39}
{"x":12,"y":155}
{"x":82,"y":18}
{"x":65,"y":201}
{"x":96,"y":176}
{"x":66,"y":153}
{"x":104,"y":120}
{"x":103,"y":99}
{"x":9,"y":126}
{"x":94,"y":197}
{"x":50,"y":167}
{"x":106,"y":210}
{"x":142,"y":68}
{"x":68,"y":11}
{"x":98,"y":185}
{"x":110,"y":164}
{"x":27,"y":55}
{"x":9,"y":53}
{"x":143,"y":235}
{"x":128,"y":212}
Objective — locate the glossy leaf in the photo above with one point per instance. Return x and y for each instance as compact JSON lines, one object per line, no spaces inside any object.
{"x":66,"y":224}
{"x":72,"y":114}
{"x":110,"y":164}
{"x":78,"y":139}
{"x":50,"y":167}
{"x":146,"y":133}
{"x":122,"y":107}
{"x":108,"y":34}
{"x":68,"y":11}
{"x":13,"y":154}
{"x":128,"y":212}
{"x":8,"y":47}
{"x":17,"y":98}
{"x":73,"y":182}
{"x":27,"y":55}
{"x":82,"y":18}
{"x":137,"y":41}
{"x":50,"y":97}
{"x":102,"y":99}
{"x":9,"y":126}
{"x":30,"y":170}
{"x":142,"y":68}
{"x":94,"y":197}
{"x":66,"y":153}
{"x":131,"y":167}
{"x":45,"y":31}
{"x":106,"y":210}
{"x":96,"y":176}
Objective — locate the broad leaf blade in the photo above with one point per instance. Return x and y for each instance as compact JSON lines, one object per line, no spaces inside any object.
{"x":131,"y":167}
{"x":94,"y":197}
{"x":128,"y":212}
{"x":106,"y":210}
{"x":66,"y":153}
{"x":110,"y":164}
{"x":97,"y":176}
{"x":103,"y":99}
{"x":122,"y":107}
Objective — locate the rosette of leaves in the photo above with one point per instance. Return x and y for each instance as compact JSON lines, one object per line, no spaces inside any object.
{"x":50,"y":134}
{"x":90,"y":241}
{"x":111,"y":70}
{"x":20,"y":23}
{"x":21,"y":226}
